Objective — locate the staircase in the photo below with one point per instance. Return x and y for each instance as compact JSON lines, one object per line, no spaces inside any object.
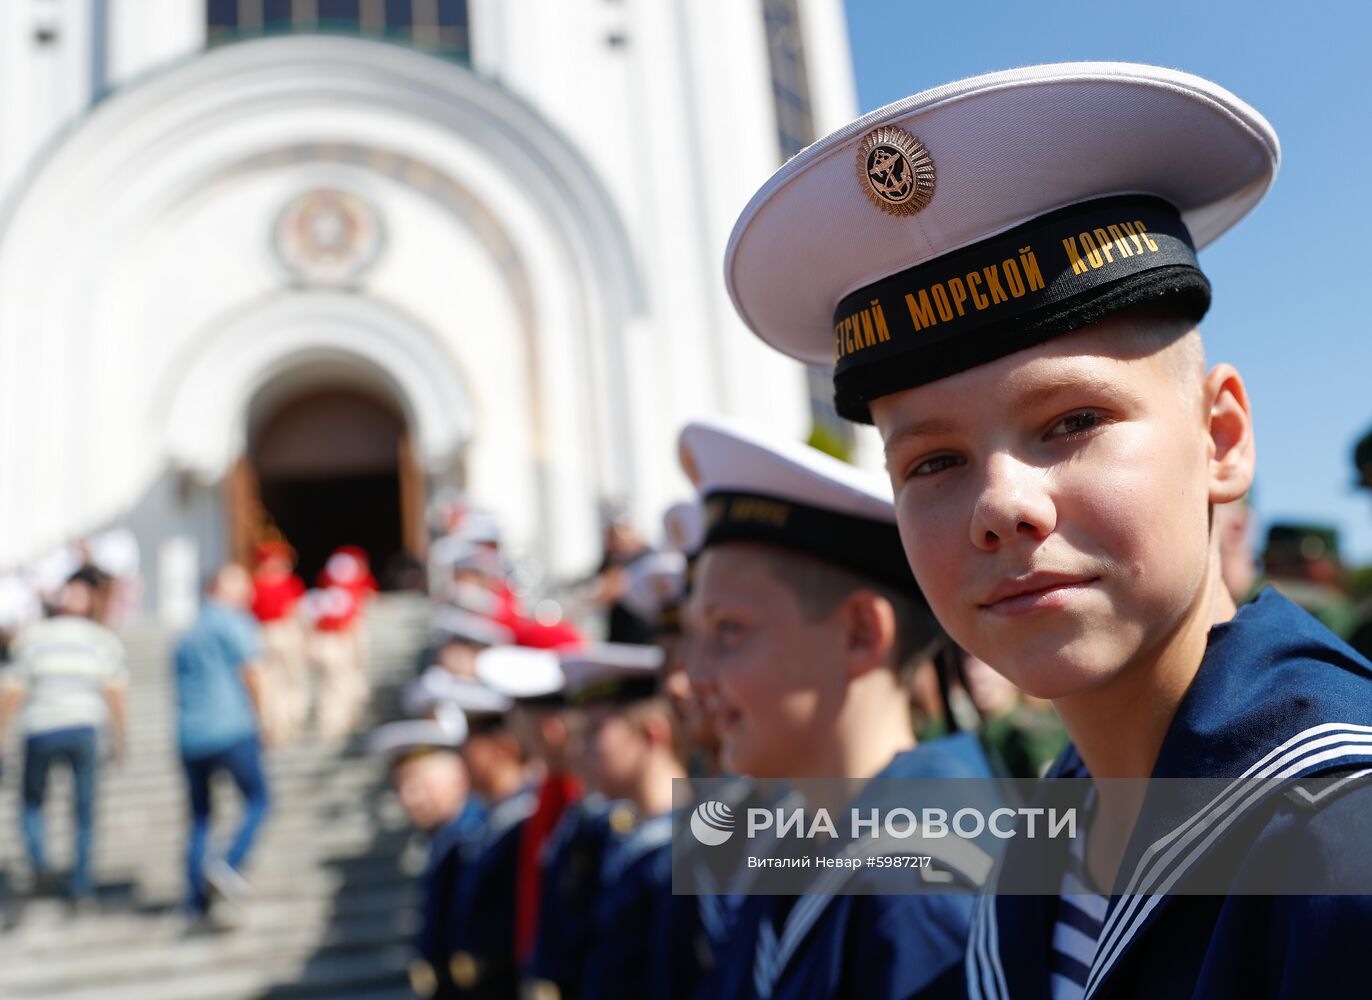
{"x":333,"y":868}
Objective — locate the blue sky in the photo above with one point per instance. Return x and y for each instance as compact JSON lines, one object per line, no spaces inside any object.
{"x":1293,"y":282}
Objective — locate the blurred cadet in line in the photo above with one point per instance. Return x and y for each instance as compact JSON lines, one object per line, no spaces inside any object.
{"x":642,"y":938}
{"x":806,"y":623}
{"x":480,"y":929}
{"x":431,"y":782}
{"x":218,"y":666}
{"x":69,"y":677}
{"x":657,"y":593}
{"x":533,"y":679}
{"x":460,"y":631}
{"x":285,"y":673}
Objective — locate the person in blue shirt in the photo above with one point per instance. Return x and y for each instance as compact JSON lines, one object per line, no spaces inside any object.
{"x":217,"y":690}
{"x":1007,"y":286}
{"x":806,"y":624}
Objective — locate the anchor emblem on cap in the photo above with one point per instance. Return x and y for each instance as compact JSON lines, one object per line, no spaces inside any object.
{"x":896,"y":171}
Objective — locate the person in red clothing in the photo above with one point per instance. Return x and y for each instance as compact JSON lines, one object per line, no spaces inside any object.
{"x":338,"y":644}
{"x":277,"y":591}
{"x":533,"y":678}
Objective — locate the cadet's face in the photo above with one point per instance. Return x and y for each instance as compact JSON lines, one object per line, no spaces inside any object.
{"x":458,"y":658}
{"x":615,"y":749}
{"x":486,"y":759}
{"x":1053,"y":505}
{"x":770,"y":678}
{"x":432,"y":788}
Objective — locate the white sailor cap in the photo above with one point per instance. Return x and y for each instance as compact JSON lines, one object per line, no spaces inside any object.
{"x":988,"y":215}
{"x":684,"y":525}
{"x":480,"y":528}
{"x":787,"y":494}
{"x":611,"y":672}
{"x":436,"y":689}
{"x":655,"y":581}
{"x":452,"y":622}
{"x":397,"y":740}
{"x":465,"y":554}
{"x":528,"y":676}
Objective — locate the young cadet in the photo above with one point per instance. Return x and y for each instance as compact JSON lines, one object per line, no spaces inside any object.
{"x":655,"y":592}
{"x":533,"y":678}
{"x":433,"y":788}
{"x":641,"y":934}
{"x":460,"y":630}
{"x":805,"y":621}
{"x":1008,"y":287}
{"x":481,"y":926}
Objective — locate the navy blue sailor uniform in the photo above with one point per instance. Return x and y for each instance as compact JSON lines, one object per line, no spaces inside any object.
{"x":442,"y":874}
{"x":630,"y":953}
{"x":571,"y":862}
{"x":828,"y":943}
{"x":1280,"y":714}
{"x":481,"y":929}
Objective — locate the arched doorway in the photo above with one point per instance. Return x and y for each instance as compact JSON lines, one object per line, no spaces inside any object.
{"x":329,"y":467}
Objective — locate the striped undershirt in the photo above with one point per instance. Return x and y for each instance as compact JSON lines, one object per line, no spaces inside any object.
{"x":1081,"y":912}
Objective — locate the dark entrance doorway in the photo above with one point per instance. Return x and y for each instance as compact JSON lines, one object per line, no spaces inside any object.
{"x":329,"y":467}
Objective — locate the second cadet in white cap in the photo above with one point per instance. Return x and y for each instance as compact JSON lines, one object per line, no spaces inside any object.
{"x":806,"y":622}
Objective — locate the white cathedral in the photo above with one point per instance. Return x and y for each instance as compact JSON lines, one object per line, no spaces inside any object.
{"x":314,"y":262}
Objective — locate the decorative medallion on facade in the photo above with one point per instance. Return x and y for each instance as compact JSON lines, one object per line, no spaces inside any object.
{"x":895,"y":171}
{"x":328,"y":237}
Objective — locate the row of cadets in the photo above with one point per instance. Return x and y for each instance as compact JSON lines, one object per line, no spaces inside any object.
{"x":1058,"y":455}
{"x":431,"y":783}
{"x":805,"y":623}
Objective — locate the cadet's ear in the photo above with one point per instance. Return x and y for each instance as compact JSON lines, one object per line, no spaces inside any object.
{"x":1232,"y":452}
{"x":870,"y":631}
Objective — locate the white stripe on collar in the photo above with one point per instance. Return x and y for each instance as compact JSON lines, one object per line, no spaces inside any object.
{"x":507,"y":813}
{"x":652,"y":833}
{"x":1152,"y":878}
{"x":985,"y":975}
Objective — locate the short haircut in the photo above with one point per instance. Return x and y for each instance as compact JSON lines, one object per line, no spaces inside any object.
{"x":820,"y":587}
{"x":1164,"y":325}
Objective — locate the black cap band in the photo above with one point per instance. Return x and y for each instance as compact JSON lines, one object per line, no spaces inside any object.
{"x":863,"y":545}
{"x":1060,"y":272}
{"x":618,"y":690}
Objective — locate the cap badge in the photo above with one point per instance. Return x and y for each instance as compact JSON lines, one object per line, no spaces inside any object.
{"x":895,"y":171}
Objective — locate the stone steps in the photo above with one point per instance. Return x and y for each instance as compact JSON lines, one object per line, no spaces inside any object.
{"x":333,"y":871}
